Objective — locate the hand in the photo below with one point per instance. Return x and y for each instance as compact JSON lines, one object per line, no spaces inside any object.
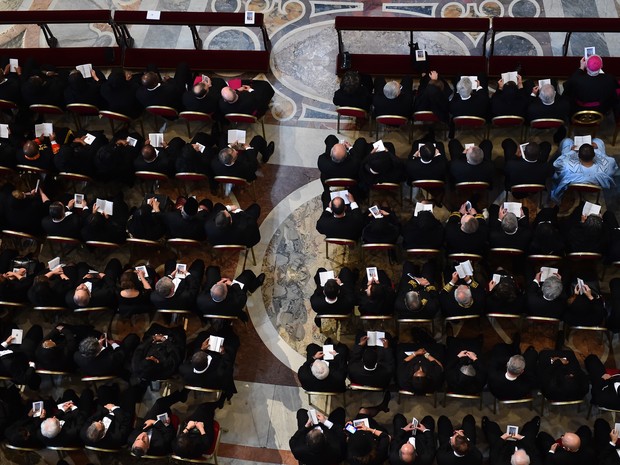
{"x":421,"y":427}
{"x":350,"y":197}
{"x":587,"y":291}
{"x":463,"y":210}
{"x":492,"y":284}
{"x":205,"y":344}
{"x":347,"y":144}
{"x":67,"y":406}
{"x":502,"y":213}
{"x":190,"y":425}
{"x":423,"y":281}
{"x":506,"y":436}
{"x":93,"y":74}
{"x":553,"y":447}
{"x":320,"y":417}
{"x":613,"y":435}
{"x":537,"y":277}
{"x":59,"y":328}
{"x":606,"y":376}
{"x":434,"y":75}
{"x":582,"y":63}
{"x":455,"y":278}
{"x":71,"y":204}
{"x":318,"y":355}
{"x":472,"y":356}
{"x":128,"y":75}
{"x":110,"y":407}
{"x":140,"y":274}
{"x":147,"y":142}
{"x":196,"y":147}
{"x":594,"y":145}
{"x":122,"y":142}
{"x":164,"y":144}
{"x":385,"y":342}
{"x":7,"y":68}
{"x":421,"y":351}
{"x":535,"y":90}
{"x":500,"y":84}
{"x":462,"y":353}
{"x":519,"y":81}
{"x":200,"y":426}
{"x":338,"y":281}
{"x":95,"y":208}
{"x":363,"y":340}
{"x":409,"y":427}
{"x":416,"y":155}
{"x":363,"y":427}
{"x":148,"y":423}
{"x":9,"y":339}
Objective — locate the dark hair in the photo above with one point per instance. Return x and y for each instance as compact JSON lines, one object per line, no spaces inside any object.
{"x":505,"y":291}
{"x":351,"y":82}
{"x":586,"y":152}
{"x":370,"y":357}
{"x":57,"y":210}
{"x":377,"y":291}
{"x":532,"y":151}
{"x":427,"y":152}
{"x":331,"y":289}
{"x":127,"y":280}
{"x":461,"y":444}
{"x":338,"y":206}
{"x":221,"y":220}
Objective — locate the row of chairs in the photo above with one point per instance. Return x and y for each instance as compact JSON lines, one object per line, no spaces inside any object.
{"x":587,"y":119}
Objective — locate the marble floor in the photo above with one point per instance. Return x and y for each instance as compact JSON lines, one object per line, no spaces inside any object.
{"x":260,"y":420}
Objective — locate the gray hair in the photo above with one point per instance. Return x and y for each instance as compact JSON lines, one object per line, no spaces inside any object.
{"x":552,"y":288}
{"x":463,"y":87}
{"x":520,"y":457}
{"x":319,"y":369}
{"x":164,"y":286}
{"x":475,"y":155}
{"x":412,"y":300}
{"x":94,"y":433}
{"x":50,"y":428}
{"x":218,"y":291}
{"x":510,"y":223}
{"x":471,"y":225}
{"x":391,"y":90}
{"x":515,"y":365}
{"x":468,"y":370}
{"x":547,"y":94}
{"x":226,"y":156}
{"x":462,"y":295}
{"x":89,"y":347}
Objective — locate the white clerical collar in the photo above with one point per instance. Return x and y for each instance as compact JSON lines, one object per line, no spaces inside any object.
{"x":548,"y":104}
{"x":509,"y":377}
{"x":426,"y":162}
{"x":151,"y":90}
{"x":199,"y":372}
{"x":512,"y":233}
{"x":458,"y":455}
{"x":331,"y":301}
{"x":373,"y":171}
{"x":466,"y":98}
{"x":371,"y":369}
{"x":529,"y":161}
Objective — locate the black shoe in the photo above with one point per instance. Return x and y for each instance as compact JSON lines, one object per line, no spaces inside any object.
{"x":484,"y":423}
{"x":386,"y":401}
{"x":317,"y":322}
{"x":258,"y":282}
{"x":269,"y":151}
{"x":516,"y":341}
{"x":560,"y":134}
{"x":183,"y":395}
{"x":449,"y":330}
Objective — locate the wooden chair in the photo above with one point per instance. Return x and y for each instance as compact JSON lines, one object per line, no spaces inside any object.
{"x":543,"y":320}
{"x":12,"y":305}
{"x":381,"y":187}
{"x":358,"y":114}
{"x":603,"y":409}
{"x":527,"y":190}
{"x":65,"y":244}
{"x":217,"y":393}
{"x":167,"y":113}
{"x":336,"y":317}
{"x":426,"y":118}
{"x":237,"y":248}
{"x":508,"y":121}
{"x":176,"y":313}
{"x":584,"y":188}
{"x":46,"y":110}
{"x":328,"y":396}
{"x":190,"y":116}
{"x":414,"y":321}
{"x":559,"y":403}
{"x":188,"y":178}
{"x":211,"y":455}
{"x":425,"y":254}
{"x":178,"y":244}
{"x":588,"y":119}
{"x":79,"y":110}
{"x":538,"y":259}
{"x":7,"y":106}
{"x":97,"y":379}
{"x":15,"y":238}
{"x":456,"y":395}
{"x":151,"y":176}
{"x":515,"y":317}
{"x":468,"y":189}
{"x":427,"y":186}
{"x":393,"y":121}
{"x":376,"y":247}
{"x":543,"y":124}
{"x":592,"y":329}
{"x":236,"y":118}
{"x":112,"y":116}
{"x":63,"y":451}
{"x":29,"y":454}
{"x":236,"y":182}
{"x":403,"y":392}
{"x":341,"y":182}
{"x":463,"y":256}
{"x":73,"y":179}
{"x":470,"y":123}
{"x":103,"y":450}
{"x":497,"y":402}
{"x":449,"y":319}
{"x":350,"y":243}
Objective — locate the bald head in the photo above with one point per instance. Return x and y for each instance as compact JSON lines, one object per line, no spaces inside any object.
{"x":520,"y":457}
{"x":338,"y":153}
{"x":150,"y":79}
{"x":571,"y":442}
{"x":407,"y":453}
{"x":229,"y":95}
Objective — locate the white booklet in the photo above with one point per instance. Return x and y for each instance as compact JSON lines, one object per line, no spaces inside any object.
{"x":4,"y":131}
{"x":509,"y":76}
{"x":153,"y":15}
{"x":18,"y":334}
{"x":89,"y":139}
{"x":324,"y":276}
{"x":78,"y":200}
{"x":105,"y":206}
{"x":420,"y":55}
{"x":85,"y":69}
{"x":327,"y":352}
{"x":375,"y":211}
{"x":546,"y":271}
{"x":342,"y":194}
{"x":163,"y":417}
{"x":580,"y":287}
{"x":142,"y":268}
{"x":371,"y":273}
{"x":468,"y":146}
{"x":61,"y":406}
{"x":496,"y":278}
{"x":588,"y":52}
{"x":361,"y":421}
{"x":241,"y":285}
{"x":156,"y":139}
{"x":422,"y":207}
{"x":420,"y":145}
{"x":249,"y":17}
{"x":379,"y":146}
{"x":43,"y":129}
{"x":201,"y":148}
{"x":236,"y":135}
{"x":591,"y":209}
{"x":473,"y":79}
{"x":13,"y":64}
{"x":53,"y":263}
{"x":215,"y":343}
{"x":374,"y":338}
{"x":580,"y":140}
{"x":181,"y":271}
{"x":312,"y":416}
{"x":132,"y":141}
{"x":543,"y":82}
{"x":464,"y":269}
{"x":522,"y":147}
{"x":513,"y":207}
{"x":37,"y":408}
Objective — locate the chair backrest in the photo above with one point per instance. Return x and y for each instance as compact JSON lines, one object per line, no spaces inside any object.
{"x":7,"y":104}
{"x":462,"y":256}
{"x":546,"y":123}
{"x":77,"y":177}
{"x":91,"y":309}
{"x":31,"y":169}
{"x":425,"y":117}
{"x":472,"y":186}
{"x":428,"y":184}
{"x":13,"y":233}
{"x":85,"y":109}
{"x":527,"y":188}
{"x":46,"y":109}
{"x":587,"y":118}
{"x":341,"y":182}
{"x":160,"y":110}
{"x":385,"y":186}
{"x":423,"y":252}
{"x":191,"y":177}
{"x":103,"y":244}
{"x":392,"y":120}
{"x":228,"y":247}
{"x":240,"y":118}
{"x":506,"y":251}
{"x":340,"y":241}
{"x":353,"y":112}
{"x":508,"y":121}
{"x":469,"y":121}
{"x":151,"y":176}
{"x":195,"y":116}
{"x":231,"y":180}
{"x":378,"y":246}
{"x":183,"y":241}
{"x":145,"y":242}
{"x":583,"y":187}
{"x":114,"y":115}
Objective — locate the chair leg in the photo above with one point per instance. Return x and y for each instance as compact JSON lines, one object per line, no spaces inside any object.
{"x":338,"y":125}
{"x":253,"y":256}
{"x":245,"y":258}
{"x":189,"y":134}
{"x":262,"y":123}
{"x":326,"y":250}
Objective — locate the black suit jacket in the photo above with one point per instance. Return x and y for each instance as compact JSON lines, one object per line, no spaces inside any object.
{"x":232,"y":305}
{"x":381,"y":376}
{"x":537,"y":305}
{"x":219,"y":373}
{"x":179,"y":227}
{"x":348,"y":227}
{"x":161,"y":438}
{"x":559,"y":109}
{"x":476,"y":105}
{"x":429,"y":299}
{"x":70,"y":432}
{"x":332,"y":450}
{"x":459,"y":241}
{"x":103,"y":292}
{"x":424,"y":447}
{"x":445,"y":456}
{"x":335,"y":381}
{"x":70,"y":226}
{"x":168,"y":94}
{"x":107,"y":362}
{"x":117,"y":433}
